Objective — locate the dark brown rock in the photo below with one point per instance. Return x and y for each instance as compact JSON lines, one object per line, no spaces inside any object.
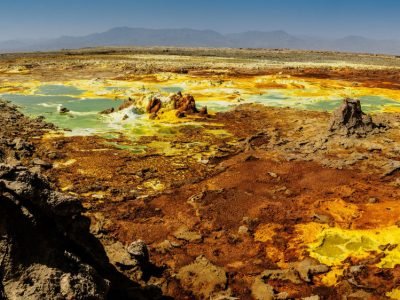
{"x":349,"y":119}
{"x":127,"y":103}
{"x":154,"y":106}
{"x":107,"y":111}
{"x":64,"y":110}
{"x":187,"y":104}
{"x":203,"y":110}
{"x":38,"y":228}
{"x":175,"y":98}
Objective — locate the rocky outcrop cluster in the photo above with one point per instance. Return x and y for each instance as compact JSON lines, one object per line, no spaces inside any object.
{"x":41,"y":232}
{"x":48,"y":252}
{"x":186,"y":105}
{"x":154,"y":106}
{"x":349,"y":119}
{"x":183,"y":105}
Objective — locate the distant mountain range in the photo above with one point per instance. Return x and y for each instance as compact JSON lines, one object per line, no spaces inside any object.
{"x":125,"y":36}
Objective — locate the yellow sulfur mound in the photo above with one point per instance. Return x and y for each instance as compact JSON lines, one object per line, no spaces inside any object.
{"x":394,"y":294}
{"x":333,"y":245}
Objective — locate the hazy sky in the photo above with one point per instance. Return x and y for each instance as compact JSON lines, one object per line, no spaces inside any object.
{"x":331,"y":18}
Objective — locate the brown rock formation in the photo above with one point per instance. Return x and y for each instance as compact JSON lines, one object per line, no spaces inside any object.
{"x":64,"y":110}
{"x":175,"y":98}
{"x":154,"y":106}
{"x":349,"y":119}
{"x":203,"y":110}
{"x":203,"y":278}
{"x":107,"y":111}
{"x":37,"y":261}
{"x":186,"y":105}
{"x":127,"y":103}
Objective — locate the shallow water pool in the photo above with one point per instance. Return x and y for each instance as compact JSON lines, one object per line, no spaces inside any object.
{"x":58,"y":89}
{"x":84,"y":117}
{"x":369,"y":103}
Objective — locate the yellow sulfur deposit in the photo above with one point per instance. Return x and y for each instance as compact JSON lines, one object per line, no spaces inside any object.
{"x":394,"y":294}
{"x":333,"y":245}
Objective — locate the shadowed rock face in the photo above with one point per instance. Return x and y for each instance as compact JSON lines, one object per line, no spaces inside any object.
{"x":38,"y":241}
{"x":154,"y":106}
{"x":349,"y":119}
{"x":46,"y":249}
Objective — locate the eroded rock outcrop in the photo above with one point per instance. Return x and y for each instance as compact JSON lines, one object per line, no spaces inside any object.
{"x":186,"y":105}
{"x":127,"y":103}
{"x":156,"y":106}
{"x":107,"y":111}
{"x":297,"y":273}
{"x":153,"y":106}
{"x":47,"y":251}
{"x":349,"y":119}
{"x":40,"y":233}
{"x":203,"y":279}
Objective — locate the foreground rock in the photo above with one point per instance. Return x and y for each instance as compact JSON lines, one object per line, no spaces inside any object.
{"x":46,"y":249}
{"x":40,"y":231}
{"x":349,"y":119}
{"x":203,"y":279}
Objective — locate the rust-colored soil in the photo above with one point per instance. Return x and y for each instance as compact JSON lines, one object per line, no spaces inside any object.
{"x":242,"y":206}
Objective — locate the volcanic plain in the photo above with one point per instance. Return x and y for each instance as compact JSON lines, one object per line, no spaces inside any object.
{"x":248,"y":174}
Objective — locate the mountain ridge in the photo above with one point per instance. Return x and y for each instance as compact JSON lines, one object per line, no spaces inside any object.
{"x":187,"y":37}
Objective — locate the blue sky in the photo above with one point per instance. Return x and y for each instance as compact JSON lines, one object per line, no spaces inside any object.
{"x":330,"y":18}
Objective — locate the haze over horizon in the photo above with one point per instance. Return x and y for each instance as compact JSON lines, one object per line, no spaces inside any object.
{"x":25,"y":19}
